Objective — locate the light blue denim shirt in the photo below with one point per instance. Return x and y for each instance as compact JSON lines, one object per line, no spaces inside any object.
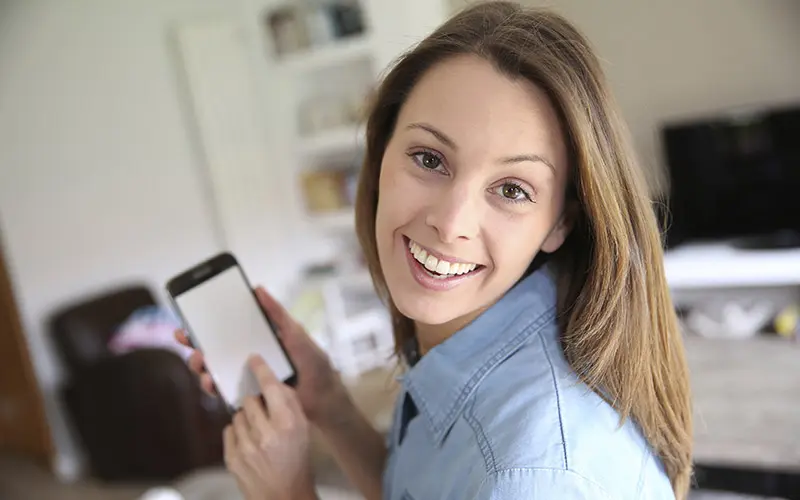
{"x":495,"y":412}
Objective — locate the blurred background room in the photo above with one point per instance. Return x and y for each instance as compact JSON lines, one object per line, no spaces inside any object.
{"x":140,"y":137}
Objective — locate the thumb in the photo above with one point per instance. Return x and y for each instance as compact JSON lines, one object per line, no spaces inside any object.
{"x":276,"y":312}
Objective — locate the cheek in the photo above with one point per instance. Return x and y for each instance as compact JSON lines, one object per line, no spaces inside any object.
{"x":513,"y":242}
{"x":399,"y":200}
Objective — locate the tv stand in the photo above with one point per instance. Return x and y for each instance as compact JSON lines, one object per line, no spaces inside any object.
{"x":723,"y":264}
{"x":773,"y":241}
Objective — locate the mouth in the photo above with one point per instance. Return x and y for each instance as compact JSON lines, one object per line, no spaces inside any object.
{"x":435,"y":271}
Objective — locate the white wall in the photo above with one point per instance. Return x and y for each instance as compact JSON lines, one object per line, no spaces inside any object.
{"x":100,"y":181}
{"x":668,"y":59}
{"x":103,"y":178}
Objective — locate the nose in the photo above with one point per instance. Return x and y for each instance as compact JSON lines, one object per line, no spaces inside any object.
{"x":455,"y":215}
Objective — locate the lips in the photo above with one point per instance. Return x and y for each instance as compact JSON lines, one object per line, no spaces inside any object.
{"x":437,"y":265}
{"x":437,"y":273}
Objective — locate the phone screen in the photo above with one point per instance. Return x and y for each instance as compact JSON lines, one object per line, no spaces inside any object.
{"x":227,"y":324}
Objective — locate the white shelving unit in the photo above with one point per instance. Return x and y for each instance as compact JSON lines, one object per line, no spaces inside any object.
{"x":341,"y":220}
{"x":330,"y":142}
{"x":338,"y":52}
{"x":324,"y":93}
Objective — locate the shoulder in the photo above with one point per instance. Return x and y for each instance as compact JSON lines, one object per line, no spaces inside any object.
{"x":532,"y":413}
{"x":538,"y":483}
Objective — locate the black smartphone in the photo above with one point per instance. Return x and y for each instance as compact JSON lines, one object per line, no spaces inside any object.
{"x":222,"y":317}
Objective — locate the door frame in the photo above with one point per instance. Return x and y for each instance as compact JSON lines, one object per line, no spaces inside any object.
{"x":36,"y":440}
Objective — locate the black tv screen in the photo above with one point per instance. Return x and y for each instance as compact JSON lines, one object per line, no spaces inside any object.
{"x":734,"y":176}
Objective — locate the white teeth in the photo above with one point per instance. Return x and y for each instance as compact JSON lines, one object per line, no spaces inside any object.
{"x":433,"y":264}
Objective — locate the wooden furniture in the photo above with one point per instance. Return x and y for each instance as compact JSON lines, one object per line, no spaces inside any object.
{"x":747,"y":400}
{"x":747,"y":414}
{"x":23,"y":424}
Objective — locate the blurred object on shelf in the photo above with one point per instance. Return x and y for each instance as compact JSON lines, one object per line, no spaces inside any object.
{"x":730,"y":319}
{"x":331,"y":19}
{"x":787,"y":322}
{"x":359,"y":327}
{"x":319,"y":22}
{"x":323,"y":190}
{"x":299,"y":28}
{"x":330,"y":188}
{"x":348,"y":18}
{"x":339,"y":308}
{"x":287,"y":30}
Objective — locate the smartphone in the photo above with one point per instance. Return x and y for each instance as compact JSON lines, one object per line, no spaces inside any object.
{"x":223,"y":319}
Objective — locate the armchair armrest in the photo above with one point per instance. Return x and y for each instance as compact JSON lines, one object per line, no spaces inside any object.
{"x":144,"y":411}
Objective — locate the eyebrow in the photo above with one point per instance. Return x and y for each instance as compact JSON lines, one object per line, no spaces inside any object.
{"x":447,"y":141}
{"x":531,"y":158}
{"x":441,"y":136}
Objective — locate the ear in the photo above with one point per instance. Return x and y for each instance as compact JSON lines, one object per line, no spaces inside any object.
{"x":561,"y":230}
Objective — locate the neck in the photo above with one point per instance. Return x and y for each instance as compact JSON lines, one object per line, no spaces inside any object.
{"x":429,"y":336}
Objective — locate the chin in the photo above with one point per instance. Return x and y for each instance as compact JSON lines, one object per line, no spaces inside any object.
{"x":425,"y":310}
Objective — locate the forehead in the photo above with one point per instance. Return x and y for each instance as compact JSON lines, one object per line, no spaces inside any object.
{"x":467,"y":98}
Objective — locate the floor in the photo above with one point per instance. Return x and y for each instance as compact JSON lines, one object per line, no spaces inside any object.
{"x":746,"y":401}
{"x":23,"y":480}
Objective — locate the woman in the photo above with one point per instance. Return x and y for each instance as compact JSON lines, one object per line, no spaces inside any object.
{"x":507,"y":227}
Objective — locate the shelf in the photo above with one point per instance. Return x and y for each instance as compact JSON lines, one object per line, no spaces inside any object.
{"x":338,"y":140}
{"x":721,"y":265}
{"x":341,"y":220}
{"x":332,"y":54}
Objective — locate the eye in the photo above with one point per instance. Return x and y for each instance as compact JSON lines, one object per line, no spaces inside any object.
{"x":427,"y":160}
{"x":513,"y":192}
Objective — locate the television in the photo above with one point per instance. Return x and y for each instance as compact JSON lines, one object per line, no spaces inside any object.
{"x":735,"y":176}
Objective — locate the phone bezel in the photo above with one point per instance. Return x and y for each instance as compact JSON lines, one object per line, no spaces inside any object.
{"x":199,"y":274}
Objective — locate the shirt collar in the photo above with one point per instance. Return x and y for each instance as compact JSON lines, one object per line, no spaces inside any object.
{"x":442,"y":381}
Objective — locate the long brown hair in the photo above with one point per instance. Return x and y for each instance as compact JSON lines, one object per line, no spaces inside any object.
{"x":619,"y":329}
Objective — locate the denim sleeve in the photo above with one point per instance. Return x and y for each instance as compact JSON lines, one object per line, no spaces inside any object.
{"x":538,"y":484}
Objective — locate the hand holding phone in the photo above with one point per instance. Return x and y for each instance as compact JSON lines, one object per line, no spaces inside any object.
{"x":319,"y":388}
{"x":223,"y":318}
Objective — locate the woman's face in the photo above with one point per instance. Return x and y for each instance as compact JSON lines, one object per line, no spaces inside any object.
{"x":472,"y":186}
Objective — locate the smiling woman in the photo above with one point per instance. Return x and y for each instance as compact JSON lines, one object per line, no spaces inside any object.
{"x":495,"y":142}
{"x":507,"y":226}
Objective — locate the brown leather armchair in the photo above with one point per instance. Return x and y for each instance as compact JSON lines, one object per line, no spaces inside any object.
{"x":140,"y":415}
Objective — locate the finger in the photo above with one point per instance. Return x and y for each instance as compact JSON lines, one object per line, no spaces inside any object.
{"x":277,"y":313}
{"x":258,"y":421}
{"x":180,"y":336}
{"x":293,"y":403}
{"x":241,"y":430}
{"x":261,"y":370}
{"x":207,"y":383}
{"x":229,"y":445}
{"x":272,"y":389}
{"x":291,"y":333}
{"x":197,"y":362}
